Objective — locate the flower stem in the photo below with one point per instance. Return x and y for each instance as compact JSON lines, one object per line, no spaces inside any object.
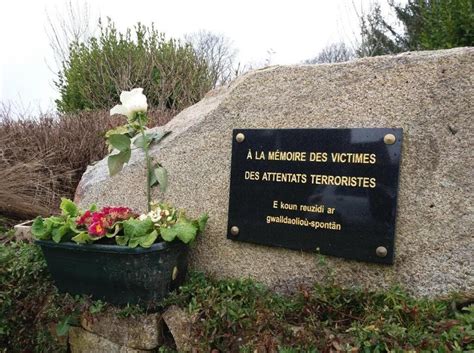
{"x":148,"y":170}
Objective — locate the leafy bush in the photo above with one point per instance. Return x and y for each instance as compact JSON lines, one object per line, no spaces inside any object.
{"x":242,"y":315}
{"x":43,"y":159}
{"x":172,"y":74}
{"x":26,"y":294}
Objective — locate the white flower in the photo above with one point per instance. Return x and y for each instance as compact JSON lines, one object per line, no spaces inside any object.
{"x":143,"y":217}
{"x":133,"y":102}
{"x":155,"y":216}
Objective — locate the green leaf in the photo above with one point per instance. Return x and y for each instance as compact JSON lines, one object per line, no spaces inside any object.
{"x":55,"y":220}
{"x":134,"y":228}
{"x":141,"y":141}
{"x":183,"y":229}
{"x":68,"y":208}
{"x":168,"y":234}
{"x":119,"y":130}
{"x":144,"y":241}
{"x":186,"y":231}
{"x":121,"y":240}
{"x":159,"y":176}
{"x":115,"y":232}
{"x":82,"y":238}
{"x":41,"y":229}
{"x":202,"y":221}
{"x":120,"y":142}
{"x":62,"y":328}
{"x":60,"y":232}
{"x":149,"y":239}
{"x":116,"y":161}
{"x":133,"y":243}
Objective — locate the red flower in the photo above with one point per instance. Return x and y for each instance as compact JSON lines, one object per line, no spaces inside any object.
{"x":97,"y":229}
{"x":99,"y":222}
{"x":86,"y":219}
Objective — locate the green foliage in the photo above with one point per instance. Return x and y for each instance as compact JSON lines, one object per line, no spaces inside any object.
{"x":26,"y":300}
{"x":68,"y":208}
{"x":130,"y":311}
{"x":182,"y":229}
{"x":95,"y":73}
{"x":162,"y":223}
{"x":427,"y":25}
{"x":243,"y":315}
{"x":120,"y":139}
{"x":58,"y":228}
{"x":138,"y":232}
{"x":116,"y":161}
{"x":437,"y":24}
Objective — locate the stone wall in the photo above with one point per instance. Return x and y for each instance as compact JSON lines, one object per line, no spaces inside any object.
{"x":428,"y":94}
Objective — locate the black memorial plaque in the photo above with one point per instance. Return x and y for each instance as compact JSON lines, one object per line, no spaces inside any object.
{"x":327,"y":190}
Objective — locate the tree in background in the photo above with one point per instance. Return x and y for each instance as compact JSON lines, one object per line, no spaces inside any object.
{"x":70,"y":24}
{"x":426,"y":25}
{"x":99,"y":68}
{"x":219,"y":53}
{"x":333,"y":53}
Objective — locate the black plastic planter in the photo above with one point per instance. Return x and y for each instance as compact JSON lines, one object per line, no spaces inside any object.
{"x":117,"y":274}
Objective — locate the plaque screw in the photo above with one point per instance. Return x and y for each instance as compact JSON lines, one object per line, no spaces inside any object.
{"x":381,"y":251}
{"x":234,"y":230}
{"x":240,"y":137}
{"x":389,"y":139}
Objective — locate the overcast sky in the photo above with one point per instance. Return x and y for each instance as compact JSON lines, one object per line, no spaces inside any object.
{"x":292,"y":30}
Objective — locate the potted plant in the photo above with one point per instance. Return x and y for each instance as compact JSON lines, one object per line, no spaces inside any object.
{"x":114,"y":253}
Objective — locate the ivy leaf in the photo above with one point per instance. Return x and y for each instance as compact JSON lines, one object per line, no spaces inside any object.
{"x":116,"y":161}
{"x":68,"y":208}
{"x":159,"y":176}
{"x":120,"y":142}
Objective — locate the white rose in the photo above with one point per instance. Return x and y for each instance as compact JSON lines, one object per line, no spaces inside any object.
{"x":143,"y":217}
{"x":132,"y":102}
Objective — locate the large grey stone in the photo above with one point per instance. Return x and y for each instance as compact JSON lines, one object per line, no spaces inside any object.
{"x":428,"y":94}
{"x":180,"y":325}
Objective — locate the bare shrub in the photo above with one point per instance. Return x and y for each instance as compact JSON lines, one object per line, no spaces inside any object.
{"x":333,"y":53}
{"x":43,"y":159}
